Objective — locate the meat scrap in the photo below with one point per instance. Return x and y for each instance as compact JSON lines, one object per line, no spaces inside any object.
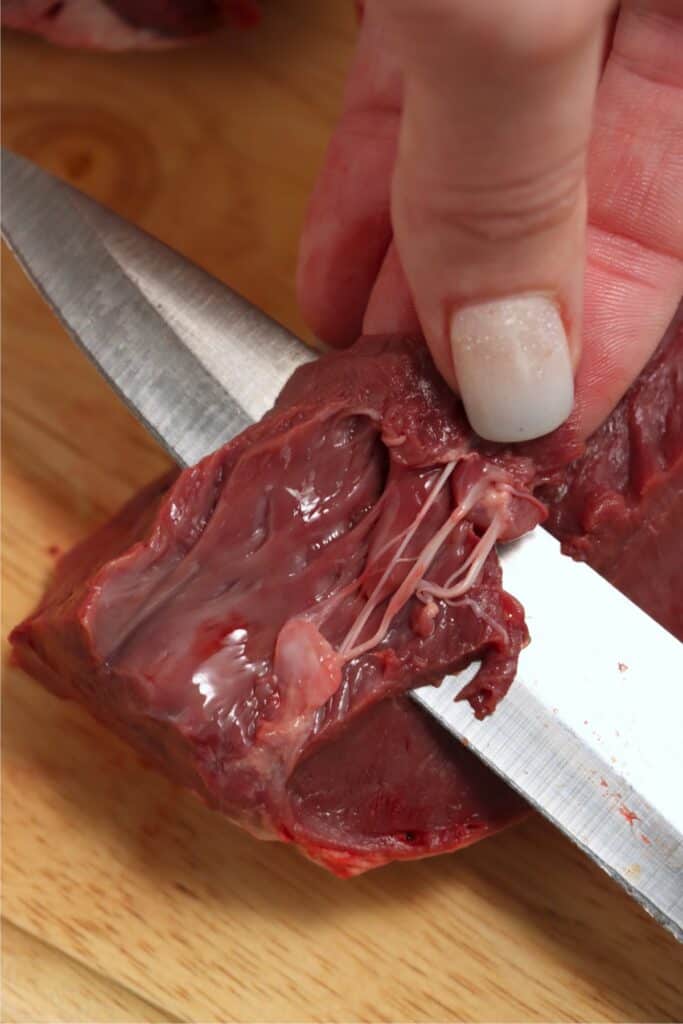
{"x":252,"y":625}
{"x":125,"y":24}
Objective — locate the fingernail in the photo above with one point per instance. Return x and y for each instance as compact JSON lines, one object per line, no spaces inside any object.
{"x":513,"y":367}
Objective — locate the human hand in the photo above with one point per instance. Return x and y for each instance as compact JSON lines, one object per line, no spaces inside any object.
{"x":534,"y":157}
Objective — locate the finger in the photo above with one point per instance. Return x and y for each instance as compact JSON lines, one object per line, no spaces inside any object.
{"x":348,"y":225}
{"x":390,"y":306}
{"x":489,"y":202}
{"x":634,"y":279}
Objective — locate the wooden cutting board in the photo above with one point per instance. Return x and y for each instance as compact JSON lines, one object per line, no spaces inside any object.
{"x":124,"y":899}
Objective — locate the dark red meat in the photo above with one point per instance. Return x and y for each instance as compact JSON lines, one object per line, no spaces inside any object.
{"x":228,"y":622}
{"x":620,"y":506}
{"x":125,"y":24}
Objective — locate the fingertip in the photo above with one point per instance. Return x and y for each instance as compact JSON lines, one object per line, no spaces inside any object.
{"x":338,"y":266}
{"x":390,"y":307}
{"x":318,"y":290}
{"x":348,"y":227}
{"x":512,"y":360}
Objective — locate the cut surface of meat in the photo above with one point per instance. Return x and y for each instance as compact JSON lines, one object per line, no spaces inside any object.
{"x":255,"y":619}
{"x":252,"y":624}
{"x":125,"y":24}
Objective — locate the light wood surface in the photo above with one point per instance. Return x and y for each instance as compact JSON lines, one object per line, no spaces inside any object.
{"x":124,"y":899}
{"x":33,"y":968}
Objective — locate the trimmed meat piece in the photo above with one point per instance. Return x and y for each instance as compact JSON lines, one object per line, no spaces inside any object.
{"x":251,"y":625}
{"x":125,"y":24}
{"x":254,"y":621}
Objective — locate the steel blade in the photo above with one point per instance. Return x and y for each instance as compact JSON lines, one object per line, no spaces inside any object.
{"x":195,"y":361}
{"x":591,"y":731}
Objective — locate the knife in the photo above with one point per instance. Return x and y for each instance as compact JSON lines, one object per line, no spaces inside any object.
{"x":591,"y":732}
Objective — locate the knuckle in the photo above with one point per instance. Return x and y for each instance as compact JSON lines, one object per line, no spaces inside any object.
{"x":515,"y":212}
{"x":538,"y":31}
{"x":504,"y":211}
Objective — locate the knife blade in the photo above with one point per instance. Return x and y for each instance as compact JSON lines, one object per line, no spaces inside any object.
{"x":194,"y":361}
{"x":576,"y":735}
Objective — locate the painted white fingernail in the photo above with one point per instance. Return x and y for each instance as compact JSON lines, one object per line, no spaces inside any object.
{"x":513,"y":366}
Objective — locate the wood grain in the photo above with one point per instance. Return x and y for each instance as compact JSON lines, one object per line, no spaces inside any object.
{"x":114,"y":873}
{"x":40,"y":984}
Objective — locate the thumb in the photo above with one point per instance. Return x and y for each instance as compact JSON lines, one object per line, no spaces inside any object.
{"x":489,"y":199}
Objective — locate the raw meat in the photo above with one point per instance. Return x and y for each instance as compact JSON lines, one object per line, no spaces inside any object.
{"x":125,"y":24}
{"x":620,"y":506}
{"x":251,"y":625}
